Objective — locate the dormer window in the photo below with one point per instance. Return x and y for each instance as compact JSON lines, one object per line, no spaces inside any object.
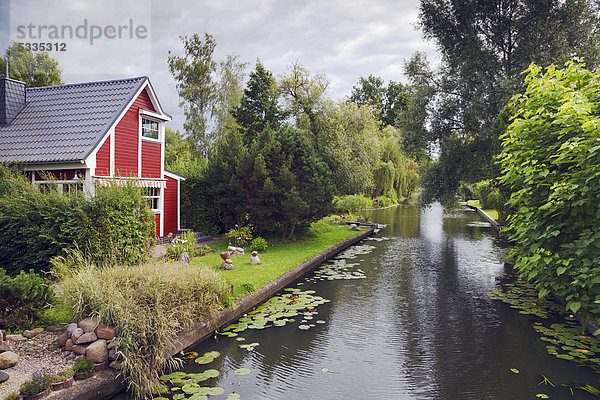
{"x":149,"y":128}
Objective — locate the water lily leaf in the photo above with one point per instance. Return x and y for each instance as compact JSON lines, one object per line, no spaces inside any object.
{"x":324,"y":369}
{"x":178,"y":396}
{"x":233,"y":396}
{"x":304,"y":327}
{"x":190,"y":388}
{"x":216,"y":391}
{"x":198,"y":396}
{"x":542,"y":396}
{"x":514,"y":370}
{"x":240,"y":339}
{"x":211,"y":373}
{"x":213,"y":354}
{"x":242,"y":371}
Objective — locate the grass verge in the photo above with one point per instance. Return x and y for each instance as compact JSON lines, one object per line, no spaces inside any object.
{"x":491,"y":212}
{"x":277,"y":260}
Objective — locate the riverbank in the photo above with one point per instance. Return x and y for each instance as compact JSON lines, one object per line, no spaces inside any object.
{"x":497,"y":227}
{"x":275,"y":270}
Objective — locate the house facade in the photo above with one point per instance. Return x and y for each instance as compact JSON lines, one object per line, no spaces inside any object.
{"x":81,"y":136}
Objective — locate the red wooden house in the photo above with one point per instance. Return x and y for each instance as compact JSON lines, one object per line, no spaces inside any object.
{"x":89,"y":134}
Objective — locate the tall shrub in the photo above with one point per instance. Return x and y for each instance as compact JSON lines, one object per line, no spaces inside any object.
{"x":115,"y":226}
{"x":550,"y":161}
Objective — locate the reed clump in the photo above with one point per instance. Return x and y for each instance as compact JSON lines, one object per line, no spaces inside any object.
{"x":148,"y":304}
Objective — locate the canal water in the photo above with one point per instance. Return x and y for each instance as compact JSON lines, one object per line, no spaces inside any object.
{"x":414,"y":322}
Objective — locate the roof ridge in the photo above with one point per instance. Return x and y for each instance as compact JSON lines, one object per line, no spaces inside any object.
{"x":93,"y":83}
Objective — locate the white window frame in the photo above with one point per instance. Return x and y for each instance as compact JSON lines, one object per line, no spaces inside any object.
{"x":143,"y":118}
{"x":155,"y":197}
{"x":60,"y":185}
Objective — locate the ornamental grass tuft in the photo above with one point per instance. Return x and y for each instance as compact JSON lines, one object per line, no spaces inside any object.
{"x":148,"y":304}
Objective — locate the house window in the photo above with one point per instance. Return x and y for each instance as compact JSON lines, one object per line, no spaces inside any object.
{"x":62,"y":187}
{"x":152,"y":195}
{"x":149,"y":129}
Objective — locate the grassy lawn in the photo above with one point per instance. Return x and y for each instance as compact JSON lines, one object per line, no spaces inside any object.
{"x":491,"y":212}
{"x":278,"y":258}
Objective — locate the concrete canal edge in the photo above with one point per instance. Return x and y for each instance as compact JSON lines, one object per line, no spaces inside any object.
{"x":496,"y":227}
{"x":106,"y":384}
{"x":205,"y":329}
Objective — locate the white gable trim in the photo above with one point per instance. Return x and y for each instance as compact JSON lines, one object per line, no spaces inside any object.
{"x":154,"y":102}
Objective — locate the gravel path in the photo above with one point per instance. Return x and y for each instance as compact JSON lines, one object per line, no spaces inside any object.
{"x":34,"y":354}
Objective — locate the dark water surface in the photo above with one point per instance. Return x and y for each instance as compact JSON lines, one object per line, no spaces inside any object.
{"x":418,"y":326}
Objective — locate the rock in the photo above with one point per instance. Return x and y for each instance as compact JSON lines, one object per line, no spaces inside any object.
{"x":2,"y":335}
{"x":30,"y":334}
{"x":8,"y":359}
{"x":112,"y":354}
{"x":79,"y":349}
{"x":235,"y":251}
{"x":111,"y":344}
{"x":105,"y":332}
{"x":101,"y":366}
{"x":76,"y":334}
{"x":254,"y":260}
{"x":225,"y":255}
{"x":97,"y":351}
{"x":87,"y":337}
{"x":184,"y":258}
{"x":4,"y":347}
{"x":354,"y":227}
{"x":62,"y":339}
{"x":89,"y":324}
{"x":69,"y":345}
{"x":3,"y":376}
{"x":229,"y":261}
{"x":227,"y":266}
{"x":71,"y":356}
{"x":70,"y":329}
{"x":15,"y":338}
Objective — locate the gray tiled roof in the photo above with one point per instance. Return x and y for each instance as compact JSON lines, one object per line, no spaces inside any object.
{"x":65,"y":123}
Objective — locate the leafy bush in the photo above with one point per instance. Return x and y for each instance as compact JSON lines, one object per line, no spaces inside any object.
{"x":258,"y":244}
{"x":350,"y":203}
{"x":118,"y":226}
{"x":241,"y":235}
{"x":22,"y":299}
{"x":83,"y":366}
{"x":39,"y":381}
{"x":12,"y":396}
{"x":550,"y":161}
{"x":113,"y":227}
{"x":148,"y":304}
{"x":187,"y":243}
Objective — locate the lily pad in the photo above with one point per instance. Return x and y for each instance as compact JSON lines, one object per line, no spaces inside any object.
{"x":233,"y":396}
{"x":514,"y":370}
{"x":216,"y":391}
{"x":242,"y":371}
{"x":324,"y":369}
{"x":211,"y":373}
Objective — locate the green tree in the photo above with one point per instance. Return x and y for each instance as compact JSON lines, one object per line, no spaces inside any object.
{"x":196,"y":86}
{"x":550,"y":161}
{"x":207,"y":89}
{"x":485,"y":46}
{"x":389,"y":100}
{"x":180,"y":155}
{"x":304,"y":94}
{"x":259,"y":106}
{"x":35,"y":70}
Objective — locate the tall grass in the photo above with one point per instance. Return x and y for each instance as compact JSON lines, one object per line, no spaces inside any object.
{"x":148,"y":304}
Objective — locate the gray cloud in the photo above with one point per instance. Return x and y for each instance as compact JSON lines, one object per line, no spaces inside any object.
{"x":343,"y":39}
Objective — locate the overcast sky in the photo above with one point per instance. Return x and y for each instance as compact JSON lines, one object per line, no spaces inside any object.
{"x":343,"y":39}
